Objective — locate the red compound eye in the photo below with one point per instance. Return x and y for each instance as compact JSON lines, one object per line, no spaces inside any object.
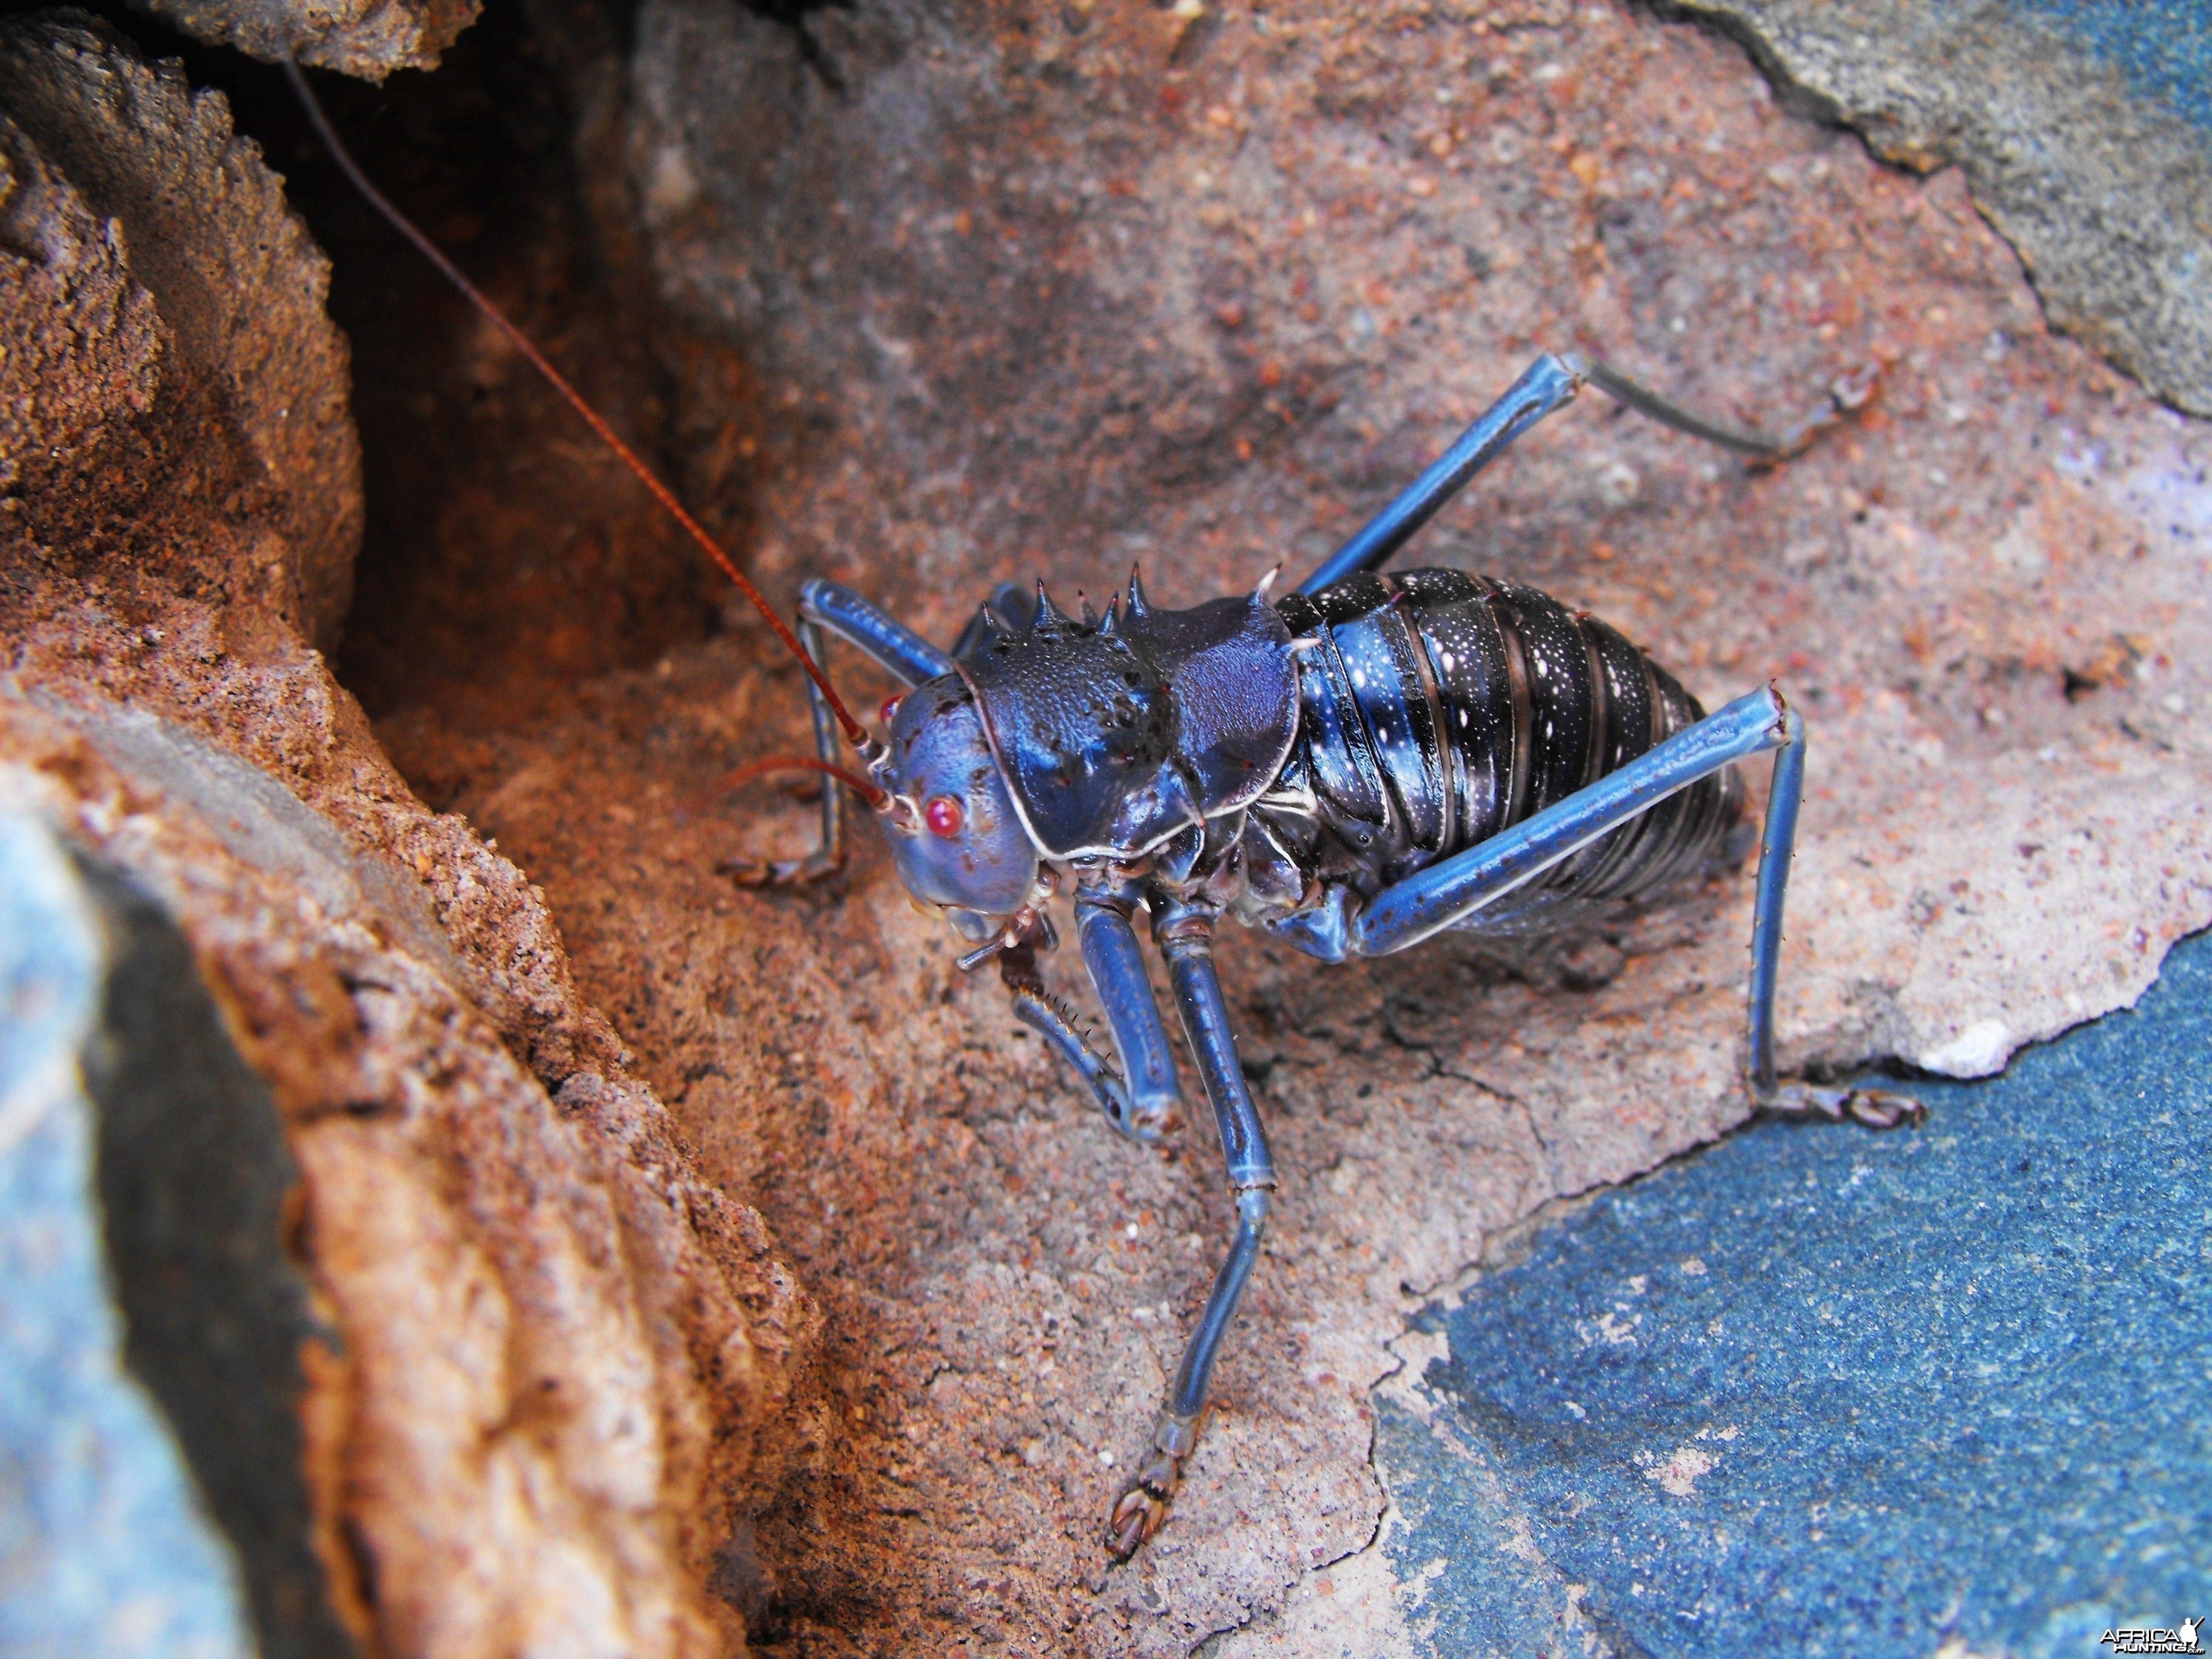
{"x":889,"y":709}
{"x":943,"y":816}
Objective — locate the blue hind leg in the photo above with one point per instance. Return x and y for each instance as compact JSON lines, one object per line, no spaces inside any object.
{"x":1446,"y":892}
{"x":1549,"y":384}
{"x":1449,"y":892}
{"x":1878,"y":1109}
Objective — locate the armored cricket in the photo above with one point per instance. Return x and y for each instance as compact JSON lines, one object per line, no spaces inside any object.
{"x":1356,"y":765}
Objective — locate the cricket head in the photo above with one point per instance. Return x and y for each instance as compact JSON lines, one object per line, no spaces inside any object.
{"x":949,"y":819}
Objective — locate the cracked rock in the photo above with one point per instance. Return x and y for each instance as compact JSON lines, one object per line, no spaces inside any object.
{"x":2103,"y":184}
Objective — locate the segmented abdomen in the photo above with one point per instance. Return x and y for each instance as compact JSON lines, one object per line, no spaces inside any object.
{"x":1440,"y":708}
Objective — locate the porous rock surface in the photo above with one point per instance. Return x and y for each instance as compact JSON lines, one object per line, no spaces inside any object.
{"x":949,"y":297}
{"x":169,"y":268}
{"x":367,"y":38}
{"x":552,"y":1371}
{"x":1702,"y":1416}
{"x":1046,"y":289}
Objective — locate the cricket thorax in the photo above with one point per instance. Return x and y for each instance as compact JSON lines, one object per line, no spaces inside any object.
{"x":1119,"y":734}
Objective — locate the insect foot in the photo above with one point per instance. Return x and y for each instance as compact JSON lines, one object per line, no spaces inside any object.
{"x":781,"y":873}
{"x":1877,"y":1109}
{"x":1142,"y":1508}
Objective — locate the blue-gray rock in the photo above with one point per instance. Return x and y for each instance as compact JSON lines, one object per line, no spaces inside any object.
{"x":151,"y":1493}
{"x":1824,"y":1392}
{"x":105,"y":1544}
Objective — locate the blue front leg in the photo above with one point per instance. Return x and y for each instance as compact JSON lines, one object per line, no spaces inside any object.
{"x":1141,"y":1101}
{"x":824,"y":607}
{"x":1125,"y":992}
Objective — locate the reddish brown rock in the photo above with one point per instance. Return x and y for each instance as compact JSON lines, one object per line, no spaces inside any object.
{"x":367,"y":38}
{"x":942,"y":299}
{"x":1058,"y":288}
{"x":218,"y":388}
{"x":561,"y":1371}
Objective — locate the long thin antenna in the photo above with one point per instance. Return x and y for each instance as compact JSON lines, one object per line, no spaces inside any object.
{"x":430,"y":251}
{"x":759,"y":769}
